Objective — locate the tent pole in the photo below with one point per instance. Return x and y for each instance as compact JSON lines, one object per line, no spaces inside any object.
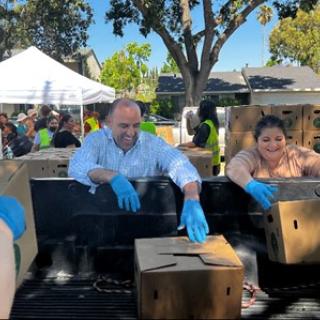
{"x":81,"y":123}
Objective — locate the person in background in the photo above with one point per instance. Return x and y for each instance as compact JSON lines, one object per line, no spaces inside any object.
{"x":22,"y":127}
{"x":12,"y":226}
{"x":64,"y":138}
{"x":30,"y":122}
{"x":41,"y":123}
{"x":120,"y":151}
{"x":3,"y":120}
{"x":44,"y":136}
{"x":271,"y":158}
{"x":207,"y":133}
{"x":16,"y":146}
{"x":146,"y":126}
{"x":91,"y":122}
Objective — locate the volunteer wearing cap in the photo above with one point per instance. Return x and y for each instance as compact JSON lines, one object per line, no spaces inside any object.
{"x":22,"y":127}
{"x":120,"y":151}
{"x":271,"y":158}
{"x":12,"y":226}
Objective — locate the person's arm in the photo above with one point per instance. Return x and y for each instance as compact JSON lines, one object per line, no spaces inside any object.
{"x":239,"y":171}
{"x":36,"y":143}
{"x":240,"y":167}
{"x":7,"y":270}
{"x":310,"y":162}
{"x":184,"y":175}
{"x":85,"y":159}
{"x":84,"y":168}
{"x":12,"y":226}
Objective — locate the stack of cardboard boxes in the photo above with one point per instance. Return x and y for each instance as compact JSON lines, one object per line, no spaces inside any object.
{"x":52,"y":162}
{"x":301,"y":123}
{"x":240,"y":124}
{"x":201,"y":159}
{"x":311,"y":127}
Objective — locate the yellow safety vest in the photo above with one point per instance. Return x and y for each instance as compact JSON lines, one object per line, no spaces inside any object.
{"x":93,"y":123}
{"x":213,"y":143}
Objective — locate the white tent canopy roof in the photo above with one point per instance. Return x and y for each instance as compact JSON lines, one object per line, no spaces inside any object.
{"x":34,"y":78}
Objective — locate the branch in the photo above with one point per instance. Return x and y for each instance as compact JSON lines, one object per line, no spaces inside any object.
{"x":173,"y":47}
{"x":234,"y":24}
{"x":186,"y":25}
{"x":209,"y":30}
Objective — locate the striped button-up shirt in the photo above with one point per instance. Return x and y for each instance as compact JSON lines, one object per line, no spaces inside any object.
{"x":150,"y":156}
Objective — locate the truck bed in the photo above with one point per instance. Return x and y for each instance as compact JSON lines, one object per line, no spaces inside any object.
{"x":83,"y":236}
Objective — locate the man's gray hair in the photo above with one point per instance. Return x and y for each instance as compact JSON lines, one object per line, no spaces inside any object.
{"x":122,"y":102}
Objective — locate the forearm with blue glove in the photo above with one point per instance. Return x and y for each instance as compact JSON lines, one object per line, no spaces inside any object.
{"x":12,"y":213}
{"x":193,"y":219}
{"x":128,"y":197}
{"x":261,"y":192}
{"x":192,"y":216}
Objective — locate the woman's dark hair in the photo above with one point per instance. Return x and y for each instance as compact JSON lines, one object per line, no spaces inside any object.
{"x":65,"y":118}
{"x":142,"y":107}
{"x":11,"y":126}
{"x":269,"y":121}
{"x":4,"y":115}
{"x":45,"y":111}
{"x":208,"y":111}
{"x":13,"y":129}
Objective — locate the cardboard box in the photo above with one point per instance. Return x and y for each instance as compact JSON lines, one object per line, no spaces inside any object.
{"x":290,"y":114}
{"x":292,"y":231}
{"x":201,"y":159}
{"x":178,"y":279}
{"x":58,"y":168}
{"x":295,"y":137}
{"x":244,"y":118}
{"x":237,"y":141}
{"x":166,"y":133}
{"x":37,"y":168}
{"x":311,"y":117}
{"x":14,"y":181}
{"x":311,"y":140}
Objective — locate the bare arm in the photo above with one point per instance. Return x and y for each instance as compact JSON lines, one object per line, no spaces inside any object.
{"x":191,"y":191}
{"x":239,"y":168}
{"x":101,"y":176}
{"x":7,"y":270}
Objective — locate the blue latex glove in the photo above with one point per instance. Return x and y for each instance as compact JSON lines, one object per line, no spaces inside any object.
{"x":193,"y":218}
{"x":12,"y":213}
{"x":126,"y":194}
{"x":261,"y":192}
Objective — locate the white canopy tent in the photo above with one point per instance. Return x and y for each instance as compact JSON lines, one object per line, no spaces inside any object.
{"x":32,"y":77}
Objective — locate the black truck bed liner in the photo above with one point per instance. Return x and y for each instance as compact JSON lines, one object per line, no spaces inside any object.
{"x":81,"y":235}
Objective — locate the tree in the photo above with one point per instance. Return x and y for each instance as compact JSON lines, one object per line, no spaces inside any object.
{"x":57,"y":27}
{"x":172,"y":21}
{"x":170,"y":65}
{"x":298,"y":39}
{"x":126,"y":70}
{"x":264,"y":16}
{"x":9,"y":16}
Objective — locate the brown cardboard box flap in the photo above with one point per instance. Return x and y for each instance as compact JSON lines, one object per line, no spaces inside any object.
{"x":164,"y":254}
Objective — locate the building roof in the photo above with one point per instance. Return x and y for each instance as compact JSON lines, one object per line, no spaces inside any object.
{"x":282,"y":78}
{"x":218,"y":82}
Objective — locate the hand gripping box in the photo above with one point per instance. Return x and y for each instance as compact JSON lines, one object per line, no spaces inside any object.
{"x":292,"y":231}
{"x":178,"y":279}
{"x":14,"y":181}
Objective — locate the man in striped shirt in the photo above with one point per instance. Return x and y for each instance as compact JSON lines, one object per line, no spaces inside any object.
{"x":121,"y":151}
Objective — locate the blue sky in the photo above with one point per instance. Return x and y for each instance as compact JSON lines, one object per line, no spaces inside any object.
{"x":244,"y":46}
